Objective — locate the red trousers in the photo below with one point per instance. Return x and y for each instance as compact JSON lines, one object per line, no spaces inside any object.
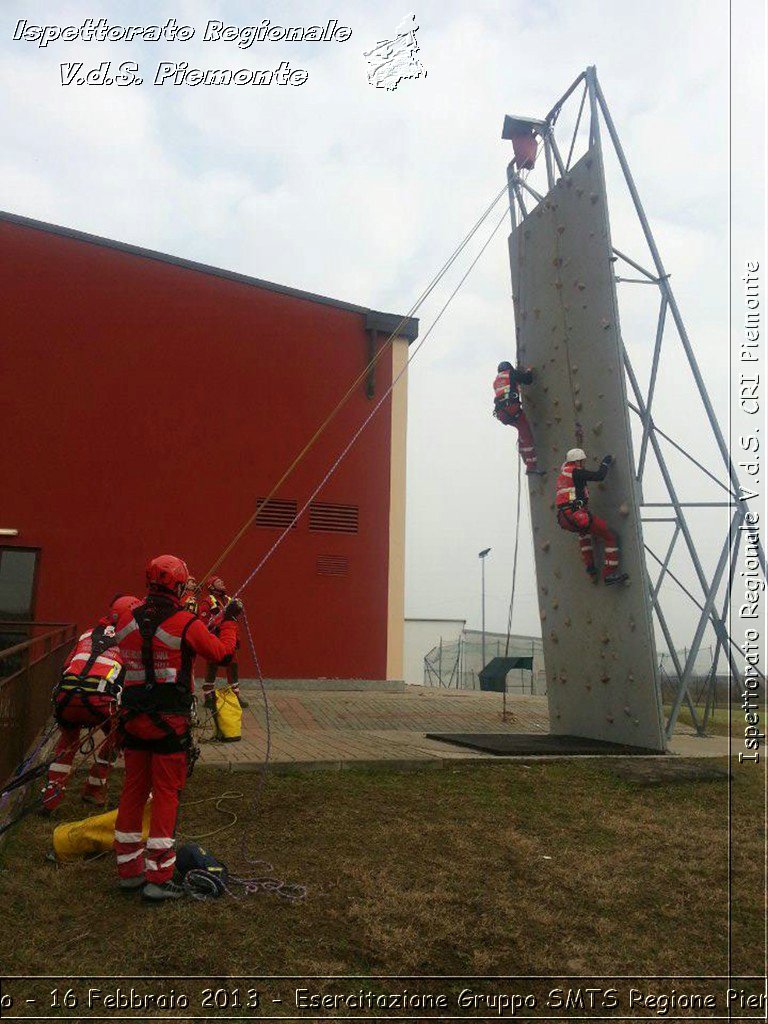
{"x":76,"y":714}
{"x":588,"y":525}
{"x":162,"y":775}
{"x":513,"y":416}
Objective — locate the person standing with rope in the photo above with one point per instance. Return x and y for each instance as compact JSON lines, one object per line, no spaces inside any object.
{"x":87,"y":697}
{"x":508,"y":409}
{"x":571,"y":500}
{"x":158,"y":642}
{"x":211,"y":609}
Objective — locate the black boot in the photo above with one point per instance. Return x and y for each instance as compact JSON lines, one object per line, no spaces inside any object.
{"x":615,"y":577}
{"x":157,"y":893}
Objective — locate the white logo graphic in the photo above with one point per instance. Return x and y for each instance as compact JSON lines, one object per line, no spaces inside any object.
{"x":392,"y":60}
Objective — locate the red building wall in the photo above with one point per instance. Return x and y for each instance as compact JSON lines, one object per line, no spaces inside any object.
{"x":148,"y":406}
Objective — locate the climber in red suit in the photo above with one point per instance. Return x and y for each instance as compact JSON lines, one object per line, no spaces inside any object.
{"x":86,"y":697}
{"x":571,"y":501}
{"x":158,"y":642}
{"x":508,"y":410}
{"x":211,"y":609}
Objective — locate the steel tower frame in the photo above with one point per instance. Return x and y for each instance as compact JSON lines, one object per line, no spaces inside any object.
{"x":714,"y":601}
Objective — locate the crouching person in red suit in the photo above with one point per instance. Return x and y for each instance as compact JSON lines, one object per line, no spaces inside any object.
{"x":86,"y":697}
{"x":158,"y":643}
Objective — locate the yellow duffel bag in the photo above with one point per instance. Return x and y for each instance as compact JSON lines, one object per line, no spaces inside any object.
{"x":75,"y":839}
{"x":229,"y":715}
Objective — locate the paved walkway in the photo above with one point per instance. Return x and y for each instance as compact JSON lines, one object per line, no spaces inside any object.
{"x":343,"y":728}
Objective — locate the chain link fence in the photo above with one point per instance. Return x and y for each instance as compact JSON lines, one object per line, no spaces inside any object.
{"x":456,"y":665}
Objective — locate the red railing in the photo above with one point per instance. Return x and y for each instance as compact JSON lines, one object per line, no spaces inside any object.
{"x":28,"y":672}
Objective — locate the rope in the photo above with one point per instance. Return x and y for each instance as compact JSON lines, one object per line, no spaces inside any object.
{"x":358,"y":380}
{"x":514,"y":564}
{"x":412,"y":355}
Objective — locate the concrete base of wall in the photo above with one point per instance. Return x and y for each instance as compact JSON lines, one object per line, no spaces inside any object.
{"x":322,"y":685}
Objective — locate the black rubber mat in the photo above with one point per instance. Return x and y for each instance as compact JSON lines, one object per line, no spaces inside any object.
{"x":519,"y":744}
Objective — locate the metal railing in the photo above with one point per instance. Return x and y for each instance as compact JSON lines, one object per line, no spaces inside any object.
{"x":28,"y":673}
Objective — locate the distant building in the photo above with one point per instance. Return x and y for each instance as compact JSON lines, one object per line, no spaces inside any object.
{"x":443,"y":652}
{"x":150,"y":402}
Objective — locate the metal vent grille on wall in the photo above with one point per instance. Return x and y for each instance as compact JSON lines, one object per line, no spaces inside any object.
{"x":333,"y":518}
{"x":332,"y":565}
{"x":277,"y":513}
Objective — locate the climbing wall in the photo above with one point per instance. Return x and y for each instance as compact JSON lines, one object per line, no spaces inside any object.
{"x":599,"y":646}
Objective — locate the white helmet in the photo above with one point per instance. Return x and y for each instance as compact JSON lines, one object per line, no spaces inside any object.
{"x":575,"y":455}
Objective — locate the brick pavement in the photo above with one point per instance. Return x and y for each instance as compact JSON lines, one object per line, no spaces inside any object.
{"x":333,"y":729}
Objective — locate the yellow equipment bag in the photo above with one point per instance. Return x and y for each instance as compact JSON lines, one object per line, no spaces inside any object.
{"x":75,"y":839}
{"x":229,"y":715}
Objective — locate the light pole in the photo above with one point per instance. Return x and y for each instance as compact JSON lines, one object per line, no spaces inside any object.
{"x":482,"y":556}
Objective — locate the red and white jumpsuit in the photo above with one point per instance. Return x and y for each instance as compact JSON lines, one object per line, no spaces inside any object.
{"x":87,"y":698}
{"x":508,"y":410}
{"x":210,"y":611}
{"x":571,"y":501}
{"x":158,"y":642}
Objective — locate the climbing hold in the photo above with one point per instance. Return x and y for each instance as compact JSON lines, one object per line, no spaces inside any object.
{"x":537,"y":313}
{"x":553,"y":636}
{"x":588,"y":688}
{"x":568,"y":620}
{"x":545,"y":546}
{"x":574,"y":369}
{"x":578,"y":406}
{"x":544,"y":588}
{"x":551,"y":506}
{"x":563,"y":677}
{"x":584,"y":306}
{"x":555,"y":603}
{"x":543,"y":616}
{"x":555,"y":401}
{"x":600,"y":394}
{"x":546,"y":388}
{"x":605,"y":678}
{"x":557,"y":261}
{"x":598,"y":428}
{"x":589,"y":618}
{"x":576,"y":388}
{"x":560,"y":229}
{"x":558,"y":419}
{"x":624,"y":509}
{"x":605,"y":324}
{"x":631,"y":677}
{"x":557,"y":574}
{"x":605,"y":639}
{"x":627,"y":711}
{"x":549,"y":423}
{"x":558,"y":285}
{"x":580,"y":285}
{"x":609,"y":719}
{"x":593,"y":197}
{"x":579,"y":192}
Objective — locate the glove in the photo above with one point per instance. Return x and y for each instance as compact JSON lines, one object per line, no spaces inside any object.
{"x":607,"y":460}
{"x":233,"y":610}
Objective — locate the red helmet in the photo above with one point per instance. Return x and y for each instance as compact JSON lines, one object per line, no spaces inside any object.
{"x":168,"y":572}
{"x":216,"y":585}
{"x":122,"y":603}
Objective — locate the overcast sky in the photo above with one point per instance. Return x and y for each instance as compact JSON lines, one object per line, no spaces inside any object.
{"x":359,"y":193}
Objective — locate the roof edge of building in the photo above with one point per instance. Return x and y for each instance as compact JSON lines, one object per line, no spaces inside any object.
{"x":405,"y":326}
